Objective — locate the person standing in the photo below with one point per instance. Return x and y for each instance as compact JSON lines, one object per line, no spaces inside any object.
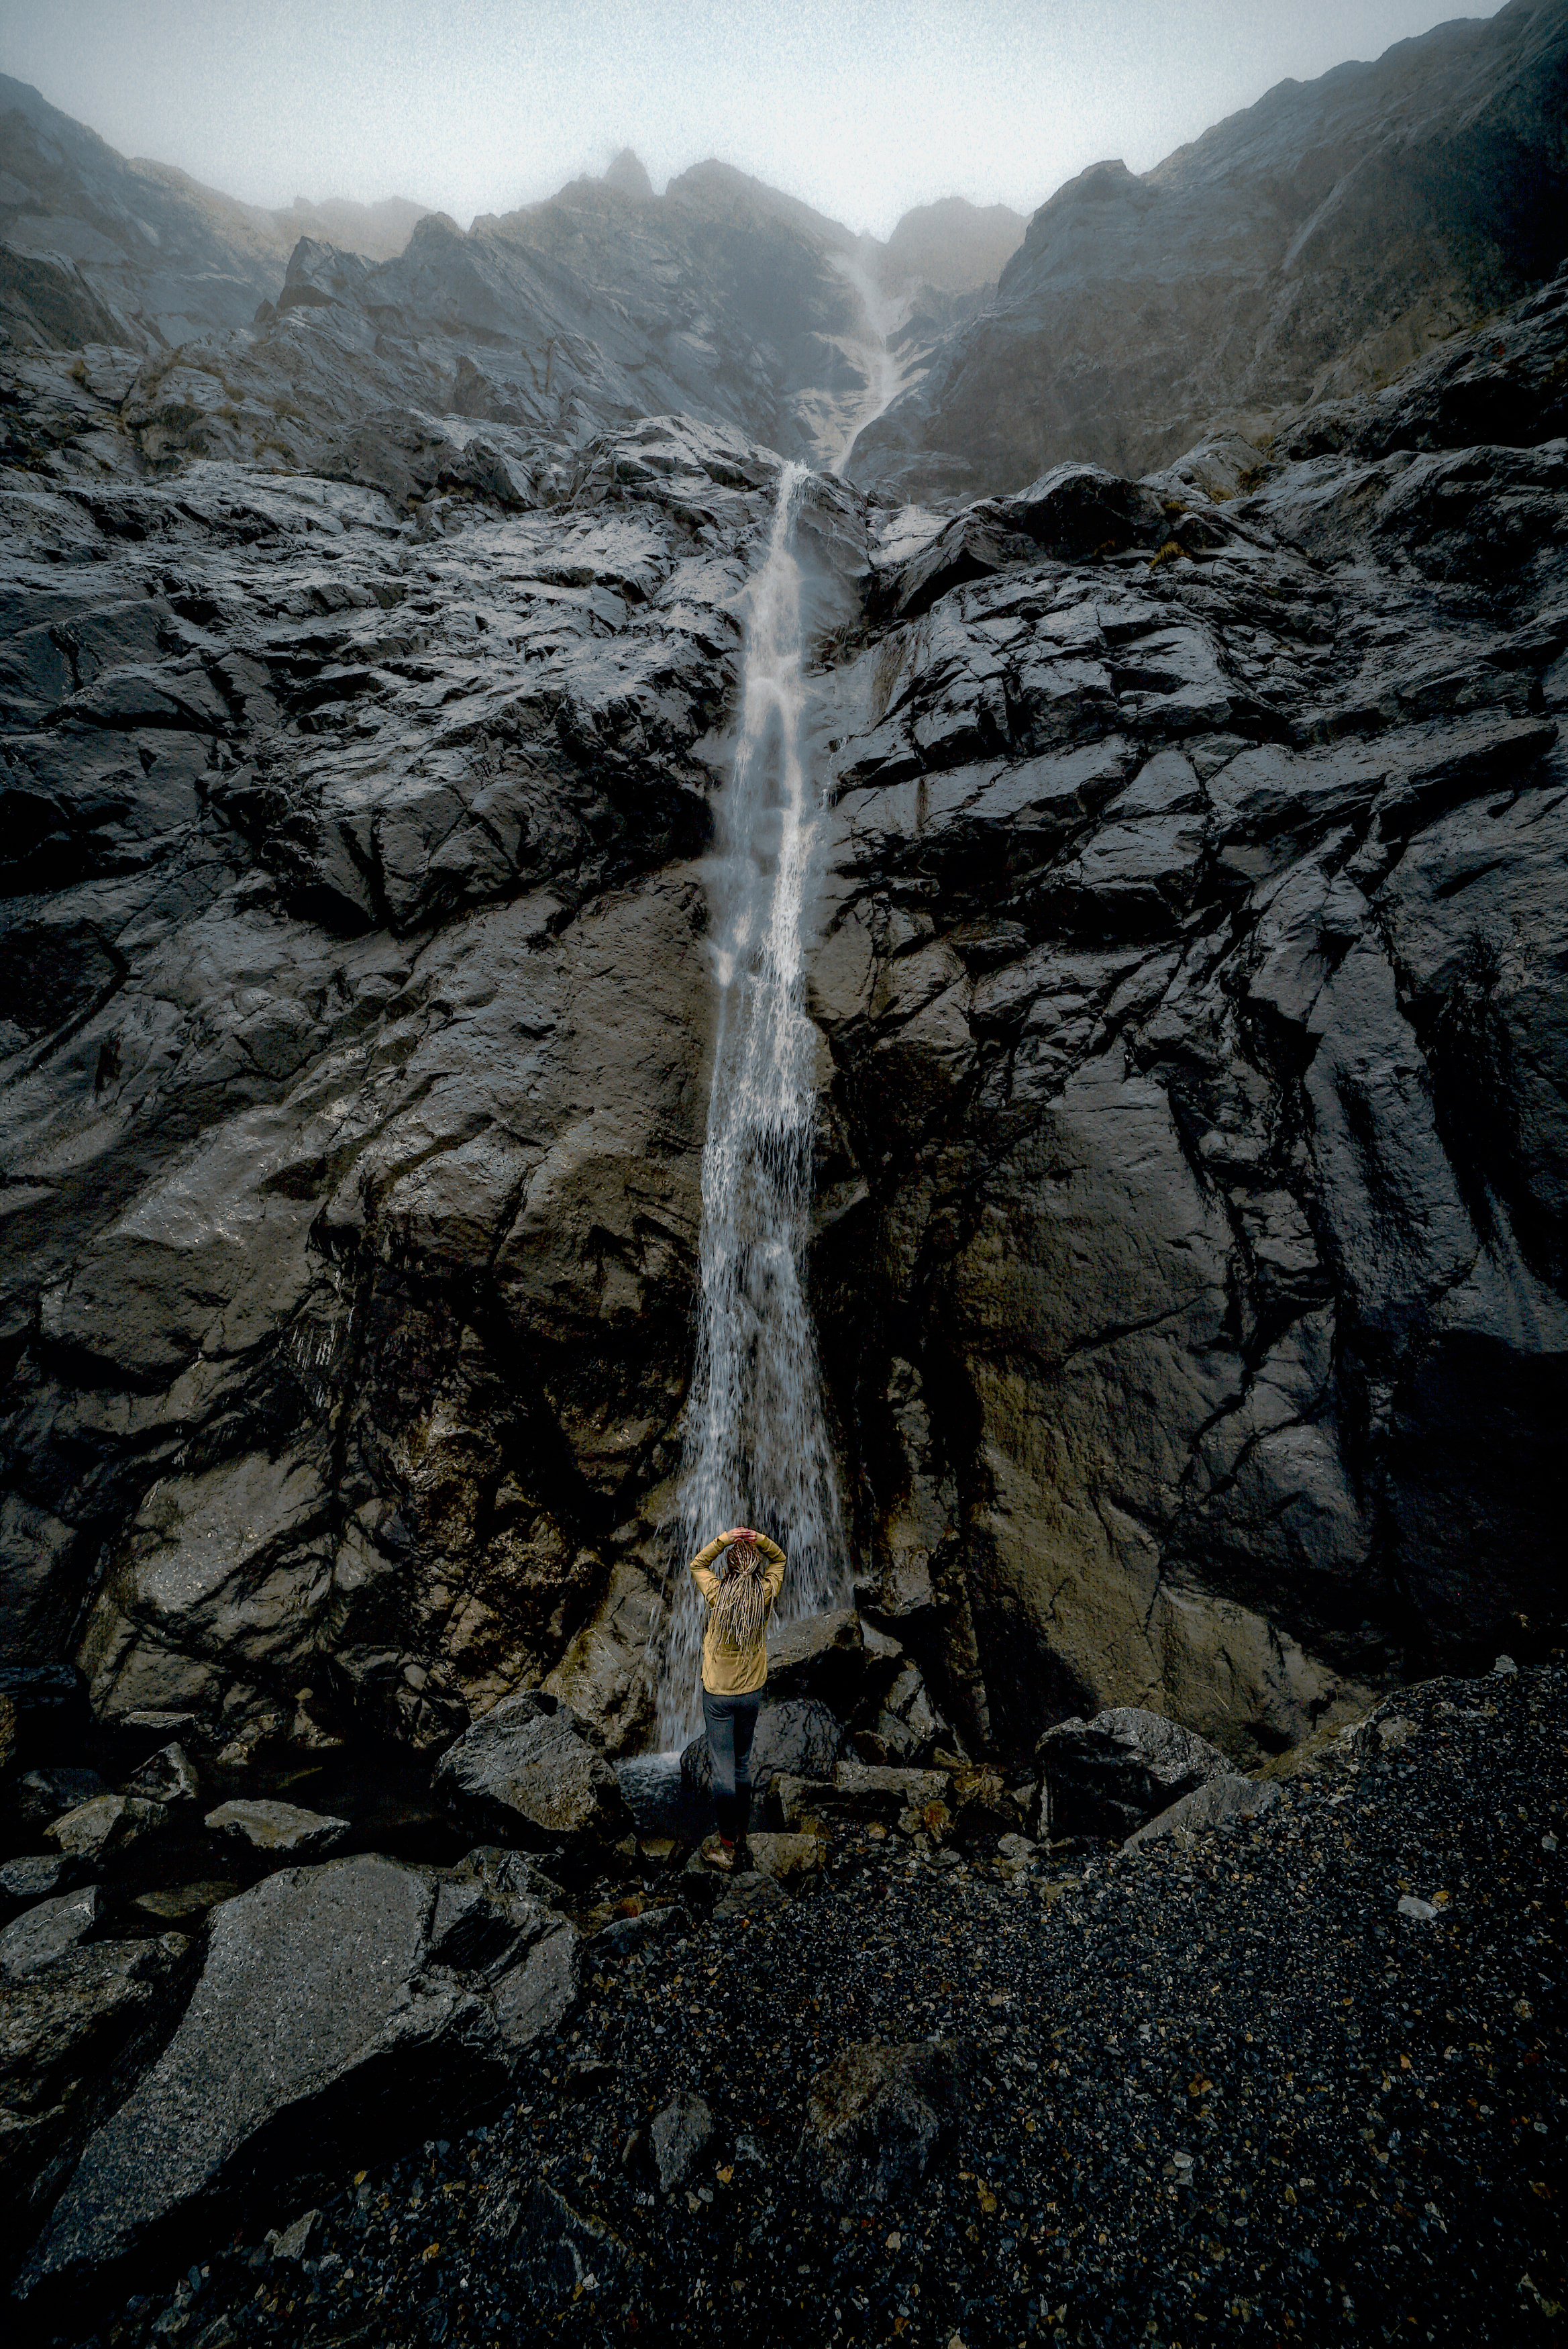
{"x":738,"y":1593}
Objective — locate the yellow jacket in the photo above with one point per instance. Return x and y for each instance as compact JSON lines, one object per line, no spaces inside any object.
{"x":726,"y":1671}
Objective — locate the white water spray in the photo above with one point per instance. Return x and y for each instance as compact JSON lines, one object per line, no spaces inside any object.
{"x":757,"y":1449}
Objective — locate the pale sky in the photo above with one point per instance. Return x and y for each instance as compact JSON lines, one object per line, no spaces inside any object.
{"x":862,"y":108}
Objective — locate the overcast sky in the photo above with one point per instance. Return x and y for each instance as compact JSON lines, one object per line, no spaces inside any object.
{"x":862,"y":107}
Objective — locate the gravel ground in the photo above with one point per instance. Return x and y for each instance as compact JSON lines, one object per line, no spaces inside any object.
{"x":1229,"y":2092}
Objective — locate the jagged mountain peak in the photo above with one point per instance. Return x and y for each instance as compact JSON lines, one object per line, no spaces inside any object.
{"x":627,"y":176}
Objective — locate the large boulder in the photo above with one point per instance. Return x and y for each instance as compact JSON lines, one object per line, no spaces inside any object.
{"x":106,"y":1825}
{"x":821,"y":1656}
{"x":798,"y":1738}
{"x":875,"y":2115}
{"x":326,"y":2030}
{"x":530,"y":1772}
{"x":1219,"y":1802}
{"x":277,"y":1828}
{"x":74,"y":2032}
{"x":863,"y":1793}
{"x":1108,"y":1776}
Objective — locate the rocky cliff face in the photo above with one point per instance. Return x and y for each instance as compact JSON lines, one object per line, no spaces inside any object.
{"x":1190,"y":1249}
{"x":1189,"y":1257}
{"x":1311,"y":245}
{"x":1189,"y":987}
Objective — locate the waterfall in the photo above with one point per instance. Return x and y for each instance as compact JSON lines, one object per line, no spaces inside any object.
{"x":884,"y":379}
{"x":757,"y":1449}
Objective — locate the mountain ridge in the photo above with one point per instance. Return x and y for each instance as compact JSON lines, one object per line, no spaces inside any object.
{"x":1304,"y":247}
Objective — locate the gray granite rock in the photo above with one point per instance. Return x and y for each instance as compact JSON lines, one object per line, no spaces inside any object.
{"x":281,"y":1827}
{"x":73,"y":2037}
{"x":167,"y":1777}
{"x":528,"y":1771}
{"x":680,"y":2133}
{"x":1124,"y":1768}
{"x":319,"y":2033}
{"x":35,"y":1876}
{"x":1214,"y":1803}
{"x":45,"y":1932}
{"x":877,"y":2116}
{"x":106,"y":1825}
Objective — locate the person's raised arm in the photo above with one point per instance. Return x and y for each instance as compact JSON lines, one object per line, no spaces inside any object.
{"x":773,"y":1580}
{"x":701,"y":1567}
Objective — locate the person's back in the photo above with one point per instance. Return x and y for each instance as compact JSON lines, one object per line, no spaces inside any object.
{"x":740,"y":1599}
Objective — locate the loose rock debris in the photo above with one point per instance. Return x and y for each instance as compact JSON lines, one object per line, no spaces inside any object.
{"x":1226,"y":2087}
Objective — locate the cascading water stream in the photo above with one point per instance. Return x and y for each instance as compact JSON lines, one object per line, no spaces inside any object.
{"x":884,"y":379}
{"x":756,"y":1450}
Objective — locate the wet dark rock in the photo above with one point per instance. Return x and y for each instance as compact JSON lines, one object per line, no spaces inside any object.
{"x":680,"y":2134}
{"x":623,"y":1934}
{"x":105,"y":1826}
{"x":36,"y":1877}
{"x":661,"y":1798}
{"x":861,"y":1792}
{"x":1124,"y":1768}
{"x":566,"y":2254}
{"x":529,"y":1771}
{"x":1215,"y":1803}
{"x":821,"y":1656}
{"x":183,"y":1904}
{"x":168,"y":1776}
{"x":877,"y":2115}
{"x":1189,"y":1243}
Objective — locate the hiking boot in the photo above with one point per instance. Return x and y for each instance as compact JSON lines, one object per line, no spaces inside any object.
{"x":719,"y":1854}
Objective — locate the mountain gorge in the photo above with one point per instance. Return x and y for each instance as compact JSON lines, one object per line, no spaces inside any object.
{"x":1183,"y":972}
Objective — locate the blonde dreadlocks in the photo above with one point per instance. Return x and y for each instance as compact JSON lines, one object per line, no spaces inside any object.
{"x":740,"y":1608}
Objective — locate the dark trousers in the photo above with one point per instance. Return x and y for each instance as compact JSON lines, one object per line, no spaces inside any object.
{"x":731,"y":1725}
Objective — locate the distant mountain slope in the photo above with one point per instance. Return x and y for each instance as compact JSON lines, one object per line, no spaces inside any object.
{"x":96,"y":247}
{"x":90,"y":239}
{"x":380,"y":231}
{"x":1312,"y":244}
{"x":953,"y":245}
